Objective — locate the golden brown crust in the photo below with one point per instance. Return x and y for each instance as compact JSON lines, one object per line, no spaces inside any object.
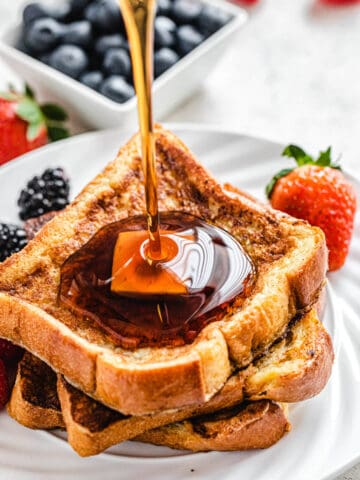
{"x":304,"y":281}
{"x":86,"y":442}
{"x":254,"y":425}
{"x":321,"y":303}
{"x":251,"y":426}
{"x":295,"y":368}
{"x":33,"y":416}
{"x":278,"y":376}
{"x":34,"y":402}
{"x":33,"y":225}
{"x":289,"y":256}
{"x":187,"y":372}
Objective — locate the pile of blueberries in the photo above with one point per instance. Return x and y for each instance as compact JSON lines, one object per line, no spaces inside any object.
{"x":86,"y":39}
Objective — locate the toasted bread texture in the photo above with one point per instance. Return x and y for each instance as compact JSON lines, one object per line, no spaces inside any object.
{"x":248,"y":426}
{"x":34,"y":400}
{"x":289,"y":255}
{"x":297,"y":367}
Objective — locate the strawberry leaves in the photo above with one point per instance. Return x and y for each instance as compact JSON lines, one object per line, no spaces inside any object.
{"x":54,"y":118}
{"x":324,"y":158}
{"x":54,"y":112}
{"x":57,"y":133}
{"x":270,"y":186}
{"x":9,"y":96}
{"x":29,"y":111}
{"x":48,"y":116}
{"x":293,"y":151}
{"x":29,"y":92}
{"x":301,"y":158}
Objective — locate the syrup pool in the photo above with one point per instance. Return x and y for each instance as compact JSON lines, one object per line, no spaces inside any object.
{"x":166,"y":302}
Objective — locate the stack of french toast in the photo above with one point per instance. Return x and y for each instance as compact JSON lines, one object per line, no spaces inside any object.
{"x":227,"y":390}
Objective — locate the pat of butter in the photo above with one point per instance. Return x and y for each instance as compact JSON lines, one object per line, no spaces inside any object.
{"x":133,"y":275}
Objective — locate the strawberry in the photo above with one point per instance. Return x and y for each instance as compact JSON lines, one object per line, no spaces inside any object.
{"x":4,"y":386}
{"x":25,"y":125}
{"x":246,"y":3}
{"x":317,"y":191}
{"x":9,"y":353}
{"x":339,"y":3}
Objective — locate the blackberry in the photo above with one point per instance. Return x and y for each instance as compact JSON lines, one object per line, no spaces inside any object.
{"x":12,"y":239}
{"x":45,"y":193}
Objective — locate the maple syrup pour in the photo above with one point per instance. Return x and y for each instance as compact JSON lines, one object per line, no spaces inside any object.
{"x":154,"y":280}
{"x":139,"y":21}
{"x":163,"y":303}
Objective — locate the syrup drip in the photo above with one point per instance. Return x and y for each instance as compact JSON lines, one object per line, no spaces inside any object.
{"x":139,"y":21}
{"x":211,"y":264}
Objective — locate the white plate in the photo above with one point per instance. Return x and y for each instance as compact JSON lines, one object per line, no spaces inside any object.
{"x":325,"y":438}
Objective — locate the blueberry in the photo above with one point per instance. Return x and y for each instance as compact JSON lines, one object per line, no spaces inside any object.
{"x":20,"y":45}
{"x":77,"y":8}
{"x":188,"y":38}
{"x":32,"y":12}
{"x":117,"y":62}
{"x":165,"y":30}
{"x":43,"y":35}
{"x":186,"y":11}
{"x":60,"y":11}
{"x":116,"y":88}
{"x":212,"y":19}
{"x":69,"y":59}
{"x":164,"y":59}
{"x":105,"y":16}
{"x":92,"y":79}
{"x":163,"y":7}
{"x":45,"y":58}
{"x":104,"y":43}
{"x":78,"y":33}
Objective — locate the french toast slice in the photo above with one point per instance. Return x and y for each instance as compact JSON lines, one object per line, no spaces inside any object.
{"x":289,"y":255}
{"x":34,"y":400}
{"x":297,"y":367}
{"x":248,"y":426}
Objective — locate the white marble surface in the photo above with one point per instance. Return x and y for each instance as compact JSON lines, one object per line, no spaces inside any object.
{"x":292,"y":75}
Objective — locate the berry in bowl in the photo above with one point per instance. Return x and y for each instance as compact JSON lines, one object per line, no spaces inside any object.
{"x":77,"y":52}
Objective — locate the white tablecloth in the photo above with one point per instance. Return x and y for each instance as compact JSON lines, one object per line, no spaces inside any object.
{"x":293,"y":75}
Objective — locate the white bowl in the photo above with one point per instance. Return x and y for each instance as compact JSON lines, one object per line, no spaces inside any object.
{"x":95,"y":110}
